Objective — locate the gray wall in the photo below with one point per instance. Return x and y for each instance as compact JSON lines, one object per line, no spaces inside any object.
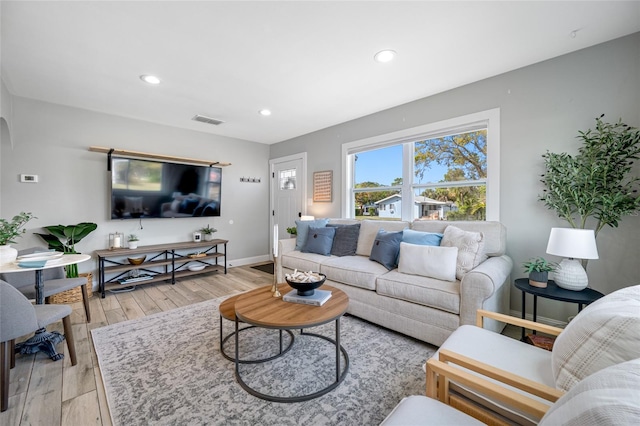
{"x":52,"y":141}
{"x":542,"y":108}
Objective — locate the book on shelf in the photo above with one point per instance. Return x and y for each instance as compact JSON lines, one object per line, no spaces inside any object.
{"x":318,"y":298}
{"x":143,"y":277}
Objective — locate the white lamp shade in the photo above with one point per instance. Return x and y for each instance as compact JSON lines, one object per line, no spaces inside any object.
{"x":303,"y":217}
{"x":573,"y":243}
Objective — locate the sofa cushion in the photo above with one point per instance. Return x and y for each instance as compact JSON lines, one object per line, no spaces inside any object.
{"x":495,"y":233}
{"x":428,"y":261}
{"x":470,"y":248}
{"x":302,"y":227}
{"x":603,"y":334}
{"x":357,"y":271}
{"x":444,"y":295}
{"x":302,"y":261}
{"x":608,"y":397}
{"x":319,"y":240}
{"x":386,"y":248}
{"x":421,"y":238}
{"x":345,"y":242}
{"x":420,"y":410}
{"x":369,"y":230}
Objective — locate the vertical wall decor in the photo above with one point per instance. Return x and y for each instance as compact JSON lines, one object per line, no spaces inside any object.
{"x":322,"y":184}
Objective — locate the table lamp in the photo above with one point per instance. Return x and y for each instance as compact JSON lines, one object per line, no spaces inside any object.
{"x":572,"y":244}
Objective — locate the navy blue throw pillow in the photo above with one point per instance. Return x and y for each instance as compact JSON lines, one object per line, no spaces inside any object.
{"x":319,"y":240}
{"x":386,"y":248}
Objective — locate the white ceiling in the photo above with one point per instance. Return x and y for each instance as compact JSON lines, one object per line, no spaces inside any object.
{"x":311,"y":63}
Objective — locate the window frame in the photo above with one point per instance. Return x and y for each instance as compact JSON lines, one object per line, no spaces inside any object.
{"x":489,"y":119}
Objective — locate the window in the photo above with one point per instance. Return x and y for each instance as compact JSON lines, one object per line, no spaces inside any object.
{"x":442,"y":171}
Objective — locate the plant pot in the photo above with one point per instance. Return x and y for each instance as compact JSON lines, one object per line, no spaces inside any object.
{"x":208,"y":237}
{"x":7,"y":254}
{"x":133,"y":244}
{"x":538,"y":279}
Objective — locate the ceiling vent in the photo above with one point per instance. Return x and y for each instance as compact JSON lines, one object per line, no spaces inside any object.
{"x":208,"y":120}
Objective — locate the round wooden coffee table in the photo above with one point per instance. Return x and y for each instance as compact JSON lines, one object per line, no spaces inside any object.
{"x":228,"y":311}
{"x":259,"y":308}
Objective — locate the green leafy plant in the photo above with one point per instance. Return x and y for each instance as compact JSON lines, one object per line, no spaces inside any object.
{"x":293,"y":230}
{"x":64,"y":238}
{"x":133,"y":237}
{"x":10,"y":230}
{"x":598,"y":182}
{"x":208,"y":230}
{"x":539,"y":264}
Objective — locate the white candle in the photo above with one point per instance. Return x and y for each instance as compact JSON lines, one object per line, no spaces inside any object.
{"x":275,"y":240}
{"x":116,"y":241}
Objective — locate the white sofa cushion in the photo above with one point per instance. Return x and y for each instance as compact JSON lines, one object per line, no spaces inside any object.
{"x":608,"y":397}
{"x":470,"y":248}
{"x":603,"y":334}
{"x":357,"y":271}
{"x":369,"y":229}
{"x":444,"y":295}
{"x":303,"y":261}
{"x":428,"y":261}
{"x":420,"y":410}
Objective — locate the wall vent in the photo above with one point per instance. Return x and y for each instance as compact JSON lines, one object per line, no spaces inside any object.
{"x":208,"y":120}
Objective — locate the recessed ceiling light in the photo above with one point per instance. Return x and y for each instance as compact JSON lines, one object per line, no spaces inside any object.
{"x":385,"y":56}
{"x":265,"y":112}
{"x":151,"y":79}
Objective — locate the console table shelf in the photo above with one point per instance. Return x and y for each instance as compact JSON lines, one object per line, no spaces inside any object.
{"x":165,"y":256}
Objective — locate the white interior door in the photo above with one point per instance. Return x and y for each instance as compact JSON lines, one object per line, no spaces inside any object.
{"x":288,"y":192}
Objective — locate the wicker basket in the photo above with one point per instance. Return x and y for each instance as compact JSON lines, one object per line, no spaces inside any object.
{"x":73,"y":295}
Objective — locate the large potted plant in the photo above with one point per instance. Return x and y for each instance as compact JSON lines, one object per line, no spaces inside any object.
{"x":9,"y":231}
{"x":64,"y":238}
{"x":596,"y":187}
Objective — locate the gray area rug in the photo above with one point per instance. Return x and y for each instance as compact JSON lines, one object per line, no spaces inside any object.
{"x":167,"y":369}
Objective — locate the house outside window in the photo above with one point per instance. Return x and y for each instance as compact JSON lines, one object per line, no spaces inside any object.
{"x":442,"y":171}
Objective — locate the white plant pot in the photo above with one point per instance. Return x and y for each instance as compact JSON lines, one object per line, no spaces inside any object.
{"x":208,"y":237}
{"x":7,"y":254}
{"x":133,"y":244}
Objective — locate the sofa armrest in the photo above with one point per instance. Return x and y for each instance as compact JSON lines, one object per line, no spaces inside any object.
{"x":482,"y":283}
{"x":284,"y":246}
{"x":451,"y":367}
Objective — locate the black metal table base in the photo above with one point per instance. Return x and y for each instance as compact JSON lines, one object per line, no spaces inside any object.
{"x":42,"y":341}
{"x":339,"y":376}
{"x":253,"y":361}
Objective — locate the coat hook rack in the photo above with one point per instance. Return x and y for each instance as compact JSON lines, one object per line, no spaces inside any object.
{"x":250,"y":179}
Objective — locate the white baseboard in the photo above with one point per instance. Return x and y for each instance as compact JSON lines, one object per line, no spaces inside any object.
{"x":542,"y":320}
{"x":248,"y":260}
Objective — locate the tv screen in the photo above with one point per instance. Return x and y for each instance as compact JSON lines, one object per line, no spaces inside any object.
{"x":155,"y":189}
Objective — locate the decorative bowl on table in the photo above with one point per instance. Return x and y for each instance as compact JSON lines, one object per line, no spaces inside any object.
{"x":305,"y":282}
{"x":196,"y":267}
{"x":136,"y":260}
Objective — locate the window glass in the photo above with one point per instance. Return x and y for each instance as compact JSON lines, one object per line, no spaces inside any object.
{"x":451,"y":203}
{"x":287,"y":179}
{"x":378,"y":167}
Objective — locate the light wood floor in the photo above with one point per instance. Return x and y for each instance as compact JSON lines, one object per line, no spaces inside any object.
{"x":43,"y":392}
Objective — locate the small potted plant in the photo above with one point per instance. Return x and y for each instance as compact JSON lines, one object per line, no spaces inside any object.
{"x":293,"y":231}
{"x":133,"y":241}
{"x":538,"y":269}
{"x":9,"y":231}
{"x":208,"y":232}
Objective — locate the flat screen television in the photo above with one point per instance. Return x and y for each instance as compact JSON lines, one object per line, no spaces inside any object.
{"x":155,"y":189}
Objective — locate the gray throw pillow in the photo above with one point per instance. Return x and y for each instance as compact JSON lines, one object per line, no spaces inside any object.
{"x":345,"y":241}
{"x":319,"y":240}
{"x":303,"y":229}
{"x":386,"y":248}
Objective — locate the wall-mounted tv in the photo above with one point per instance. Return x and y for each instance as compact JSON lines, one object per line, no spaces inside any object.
{"x":155,"y":189}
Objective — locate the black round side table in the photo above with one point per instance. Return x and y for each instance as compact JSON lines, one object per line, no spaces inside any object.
{"x":552,"y":291}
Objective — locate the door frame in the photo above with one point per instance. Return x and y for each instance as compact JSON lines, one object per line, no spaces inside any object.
{"x":302,"y":181}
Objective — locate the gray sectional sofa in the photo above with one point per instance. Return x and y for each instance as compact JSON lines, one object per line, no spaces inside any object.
{"x":414,"y":304}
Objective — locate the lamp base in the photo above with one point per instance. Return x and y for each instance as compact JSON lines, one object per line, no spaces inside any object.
{"x":570,"y":275}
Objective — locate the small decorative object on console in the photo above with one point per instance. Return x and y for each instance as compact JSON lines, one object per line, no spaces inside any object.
{"x":136,"y":260}
{"x":305,"y":282}
{"x":197,"y":236}
{"x":133,"y":241}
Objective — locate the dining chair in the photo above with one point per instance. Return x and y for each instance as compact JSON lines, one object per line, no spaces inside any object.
{"x":18,"y":318}
{"x":55,"y":282}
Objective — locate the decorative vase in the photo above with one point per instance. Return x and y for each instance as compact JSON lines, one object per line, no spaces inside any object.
{"x":538,"y":279}
{"x":7,"y":254}
{"x":208,"y":237}
{"x":133,"y":244}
